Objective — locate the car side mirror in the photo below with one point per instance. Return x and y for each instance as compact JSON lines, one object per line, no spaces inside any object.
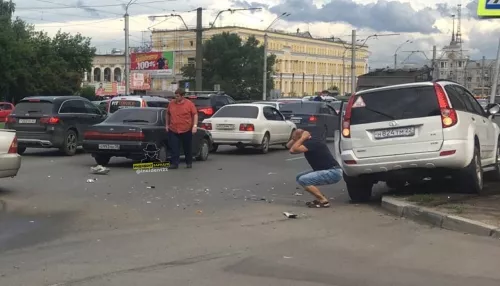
{"x":493,"y":108}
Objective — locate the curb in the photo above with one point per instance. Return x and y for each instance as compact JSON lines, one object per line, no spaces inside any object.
{"x":435,"y":218}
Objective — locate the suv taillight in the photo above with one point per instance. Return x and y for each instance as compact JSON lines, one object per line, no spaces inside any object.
{"x":13,"y":146}
{"x":11,"y":119}
{"x":208,"y":111}
{"x":346,"y":123}
{"x":449,"y":116}
{"x":50,"y":120}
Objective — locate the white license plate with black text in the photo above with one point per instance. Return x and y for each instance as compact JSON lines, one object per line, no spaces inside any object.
{"x":30,"y":121}
{"x":109,"y":147}
{"x":295,"y":119}
{"x":225,"y":126}
{"x":394,"y":132}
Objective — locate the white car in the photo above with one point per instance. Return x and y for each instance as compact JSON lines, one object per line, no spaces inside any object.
{"x":274,"y":104}
{"x":10,"y":160}
{"x":254,"y":125}
{"x":404,"y":133}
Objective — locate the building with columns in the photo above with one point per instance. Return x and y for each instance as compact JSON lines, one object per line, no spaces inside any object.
{"x":304,"y":65}
{"x":106,"y":68}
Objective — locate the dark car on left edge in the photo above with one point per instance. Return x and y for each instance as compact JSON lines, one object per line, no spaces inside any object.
{"x":53,"y":122}
{"x":132,"y":132}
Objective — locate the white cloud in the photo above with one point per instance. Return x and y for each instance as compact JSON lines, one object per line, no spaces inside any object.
{"x":106,"y":27}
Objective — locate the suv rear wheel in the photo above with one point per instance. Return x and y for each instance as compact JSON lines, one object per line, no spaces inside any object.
{"x":359,"y":190}
{"x":470,"y":178}
{"x":70,"y":143}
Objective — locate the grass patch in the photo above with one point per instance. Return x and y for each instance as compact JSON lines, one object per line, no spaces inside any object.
{"x":2,"y":125}
{"x":457,"y":209}
{"x":422,"y":199}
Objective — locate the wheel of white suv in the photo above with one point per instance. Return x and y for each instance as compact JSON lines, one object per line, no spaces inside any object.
{"x":359,"y":190}
{"x":494,"y":175}
{"x":470,"y":178}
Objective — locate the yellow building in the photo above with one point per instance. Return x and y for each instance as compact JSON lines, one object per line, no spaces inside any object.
{"x":304,"y":64}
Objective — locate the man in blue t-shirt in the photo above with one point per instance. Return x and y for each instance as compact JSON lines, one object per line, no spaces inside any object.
{"x":325,"y":170}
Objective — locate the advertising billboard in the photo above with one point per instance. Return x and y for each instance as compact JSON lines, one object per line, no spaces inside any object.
{"x":140,"y":81}
{"x":155,"y":63}
{"x":488,"y":8}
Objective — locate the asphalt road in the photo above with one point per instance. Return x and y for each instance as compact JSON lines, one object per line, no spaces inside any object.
{"x":220,"y":223}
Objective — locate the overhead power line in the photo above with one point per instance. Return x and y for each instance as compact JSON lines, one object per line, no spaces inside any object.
{"x":66,"y":6}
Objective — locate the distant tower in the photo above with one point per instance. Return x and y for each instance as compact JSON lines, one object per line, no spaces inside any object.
{"x":453,"y":31}
{"x":459,"y":25}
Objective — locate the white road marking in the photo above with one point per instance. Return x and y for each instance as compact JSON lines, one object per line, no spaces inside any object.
{"x":295,"y":158}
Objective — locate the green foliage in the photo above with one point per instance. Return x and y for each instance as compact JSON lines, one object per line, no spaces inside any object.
{"x":35,"y":64}
{"x":235,"y":65}
{"x":333,"y":88}
{"x":88,"y":92}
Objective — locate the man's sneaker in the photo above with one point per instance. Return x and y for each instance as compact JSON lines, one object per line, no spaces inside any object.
{"x":189,"y":166}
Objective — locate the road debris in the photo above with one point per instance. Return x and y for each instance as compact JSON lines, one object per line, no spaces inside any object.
{"x":91,"y":180}
{"x":287,"y":257}
{"x":150,"y":187}
{"x":290,"y":215}
{"x":199,"y":211}
{"x":298,"y":194}
{"x":271,"y":173}
{"x":99,"y":170}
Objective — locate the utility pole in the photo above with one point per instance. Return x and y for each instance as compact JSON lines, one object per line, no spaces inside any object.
{"x":127,"y":54}
{"x":353,"y":62}
{"x":483,"y":62}
{"x":495,"y":79}
{"x":303,"y":83}
{"x":264,"y":70}
{"x":199,"y":49}
{"x":434,"y":64}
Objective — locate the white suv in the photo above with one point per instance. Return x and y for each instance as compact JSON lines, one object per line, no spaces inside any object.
{"x":404,"y":133}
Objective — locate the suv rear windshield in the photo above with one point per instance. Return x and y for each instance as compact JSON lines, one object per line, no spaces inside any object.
{"x":135,"y":116}
{"x":40,"y":107}
{"x":397,"y":104}
{"x":237,"y":112}
{"x":119,"y":104}
{"x":300,"y":108}
{"x":200,"y":101}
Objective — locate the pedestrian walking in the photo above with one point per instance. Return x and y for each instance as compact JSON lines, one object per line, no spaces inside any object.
{"x":182,"y":120}
{"x":325,"y":170}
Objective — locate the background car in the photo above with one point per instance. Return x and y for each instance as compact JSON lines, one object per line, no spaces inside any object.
{"x":319,"y":118}
{"x":247,"y":124}
{"x":120,"y":102}
{"x":10,"y":160}
{"x":483,"y":102}
{"x":102,"y":104}
{"x":6,"y":109}
{"x":53,"y":122}
{"x":127,"y":133}
{"x":274,"y":104}
{"x":209,"y":103}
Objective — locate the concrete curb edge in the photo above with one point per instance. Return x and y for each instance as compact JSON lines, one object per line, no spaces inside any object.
{"x":411,"y":211}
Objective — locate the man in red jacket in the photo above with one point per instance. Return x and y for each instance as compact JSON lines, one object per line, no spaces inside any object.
{"x":181,"y":119}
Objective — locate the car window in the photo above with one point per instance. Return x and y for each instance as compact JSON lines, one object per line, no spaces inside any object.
{"x":277,"y":115}
{"x":237,"y":112}
{"x":457,"y":102}
{"x":163,"y":116}
{"x":268,"y":113}
{"x":120,"y":104}
{"x":135,"y":116}
{"x":40,"y":107}
{"x":163,"y":104}
{"x":91,"y":108}
{"x":200,"y":101}
{"x":395,"y":104}
{"x":5,"y":107}
{"x":300,"y":108}
{"x":73,"y":106}
{"x":230,"y":99}
{"x":475,"y":104}
{"x":221,"y":101}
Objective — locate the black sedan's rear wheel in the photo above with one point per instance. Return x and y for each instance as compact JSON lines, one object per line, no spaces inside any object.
{"x":70,"y":143}
{"x":204,"y":150}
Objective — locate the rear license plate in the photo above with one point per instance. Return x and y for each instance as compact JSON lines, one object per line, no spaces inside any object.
{"x":395,"y":132}
{"x":225,"y":126}
{"x":27,"y":121}
{"x":296,"y":119}
{"x":109,"y":147}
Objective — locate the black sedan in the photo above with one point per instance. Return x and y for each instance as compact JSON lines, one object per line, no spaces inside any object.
{"x":319,"y":118}
{"x":136,"y":133}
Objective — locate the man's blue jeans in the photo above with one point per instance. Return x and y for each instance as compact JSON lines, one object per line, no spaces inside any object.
{"x":319,"y":178}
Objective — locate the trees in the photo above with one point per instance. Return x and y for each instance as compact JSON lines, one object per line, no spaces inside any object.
{"x":235,"y":65}
{"x":35,"y":64}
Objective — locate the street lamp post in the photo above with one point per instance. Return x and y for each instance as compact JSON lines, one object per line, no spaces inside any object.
{"x":127,"y":48}
{"x":396,"y":52}
{"x":264,"y":71}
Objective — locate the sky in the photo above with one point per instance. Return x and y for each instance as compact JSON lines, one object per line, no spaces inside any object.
{"x":417,"y":25}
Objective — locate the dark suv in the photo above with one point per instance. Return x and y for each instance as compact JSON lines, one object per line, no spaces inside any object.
{"x":207,"y":103}
{"x":53,"y":122}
